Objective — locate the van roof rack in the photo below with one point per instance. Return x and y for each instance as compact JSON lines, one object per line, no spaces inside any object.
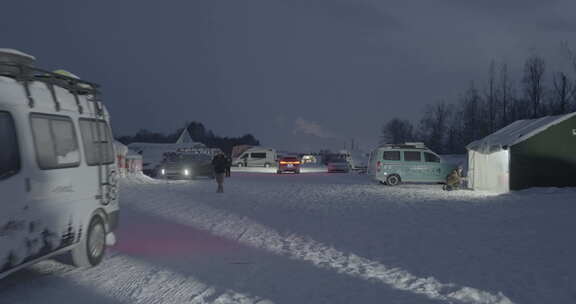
{"x":25,"y":73}
{"x":22,"y":72}
{"x":407,"y":145}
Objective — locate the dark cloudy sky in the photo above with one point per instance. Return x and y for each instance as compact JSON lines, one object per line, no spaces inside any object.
{"x":295,"y":73}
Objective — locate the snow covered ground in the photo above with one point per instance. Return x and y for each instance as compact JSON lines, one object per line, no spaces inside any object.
{"x":321,"y":238}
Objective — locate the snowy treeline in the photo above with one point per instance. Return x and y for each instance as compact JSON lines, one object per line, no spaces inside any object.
{"x":448,"y":127}
{"x":198,"y":132}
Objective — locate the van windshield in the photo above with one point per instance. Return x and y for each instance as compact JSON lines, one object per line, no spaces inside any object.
{"x":9,"y":156}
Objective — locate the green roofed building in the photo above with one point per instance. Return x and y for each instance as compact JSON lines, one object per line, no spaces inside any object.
{"x":527,"y":153}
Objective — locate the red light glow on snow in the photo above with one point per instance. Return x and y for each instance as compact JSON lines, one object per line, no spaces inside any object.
{"x":161,"y":238}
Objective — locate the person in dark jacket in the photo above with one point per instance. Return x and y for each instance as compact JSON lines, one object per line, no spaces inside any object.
{"x":219,"y":163}
{"x":228,"y":165}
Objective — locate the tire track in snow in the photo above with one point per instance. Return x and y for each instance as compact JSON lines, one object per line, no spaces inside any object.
{"x":189,"y":212}
{"x":134,"y":281}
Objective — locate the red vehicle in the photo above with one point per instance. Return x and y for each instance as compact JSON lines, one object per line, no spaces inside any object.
{"x":288,"y":164}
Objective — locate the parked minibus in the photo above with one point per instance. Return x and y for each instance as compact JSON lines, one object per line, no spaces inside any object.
{"x":58,"y":176}
{"x":392,"y":164}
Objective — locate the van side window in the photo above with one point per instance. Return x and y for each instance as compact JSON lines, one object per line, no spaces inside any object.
{"x":414,"y":156}
{"x":431,"y":158}
{"x":97,"y":142}
{"x":258,"y":155}
{"x":9,"y":153}
{"x":55,"y":141}
{"x":391,"y":155}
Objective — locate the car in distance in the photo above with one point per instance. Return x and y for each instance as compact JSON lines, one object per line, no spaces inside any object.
{"x":289,"y":164}
{"x":187,"y":166}
{"x":256,"y":157}
{"x":392,"y":164}
{"x":338,"y":165}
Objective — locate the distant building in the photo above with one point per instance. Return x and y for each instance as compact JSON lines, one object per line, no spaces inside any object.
{"x":185,"y":137}
{"x":127,"y":161}
{"x":154,"y":153}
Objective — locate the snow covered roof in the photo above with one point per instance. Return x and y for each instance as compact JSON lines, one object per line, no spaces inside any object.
{"x":120,"y":147}
{"x":185,"y":137}
{"x":516,"y":132}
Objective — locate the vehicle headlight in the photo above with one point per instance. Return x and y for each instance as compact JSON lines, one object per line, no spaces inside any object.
{"x":186,"y":172}
{"x":163,"y":171}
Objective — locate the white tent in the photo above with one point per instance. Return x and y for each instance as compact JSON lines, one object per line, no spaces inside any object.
{"x":489,"y":159}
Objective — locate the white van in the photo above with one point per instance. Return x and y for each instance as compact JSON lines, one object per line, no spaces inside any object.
{"x":58,"y":176}
{"x":257,"y":157}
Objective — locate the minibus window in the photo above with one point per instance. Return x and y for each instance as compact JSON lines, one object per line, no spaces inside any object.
{"x":258,"y":155}
{"x":412,"y":156}
{"x":391,"y":155}
{"x":55,"y":140}
{"x":97,"y":142}
{"x":431,"y":158}
{"x":9,"y":153}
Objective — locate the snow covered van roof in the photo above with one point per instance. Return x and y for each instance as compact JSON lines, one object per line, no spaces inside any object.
{"x":16,"y":53}
{"x":516,"y":132}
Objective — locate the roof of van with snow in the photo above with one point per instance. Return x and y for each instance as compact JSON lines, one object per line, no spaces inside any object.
{"x":17,"y":53}
{"x":516,"y":132}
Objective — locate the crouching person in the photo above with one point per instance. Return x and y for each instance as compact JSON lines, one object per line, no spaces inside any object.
{"x":219,"y":163}
{"x":454,"y":180}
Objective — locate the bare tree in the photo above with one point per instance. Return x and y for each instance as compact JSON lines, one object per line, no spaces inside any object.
{"x":472,"y":123}
{"x":533,"y":81}
{"x":491,"y":101}
{"x":504,"y":97}
{"x":563,"y":93}
{"x":397,"y":131}
{"x":571,"y":56}
{"x":455,"y":142}
{"x":434,"y":126}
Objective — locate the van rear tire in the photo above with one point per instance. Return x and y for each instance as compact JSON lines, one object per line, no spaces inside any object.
{"x":92,"y":247}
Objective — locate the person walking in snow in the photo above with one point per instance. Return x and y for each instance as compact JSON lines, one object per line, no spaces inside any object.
{"x":219,"y":163}
{"x":454,"y":179}
{"x":228,"y":165}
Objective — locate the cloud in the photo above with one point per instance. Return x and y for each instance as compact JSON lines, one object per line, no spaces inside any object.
{"x":311,"y":128}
